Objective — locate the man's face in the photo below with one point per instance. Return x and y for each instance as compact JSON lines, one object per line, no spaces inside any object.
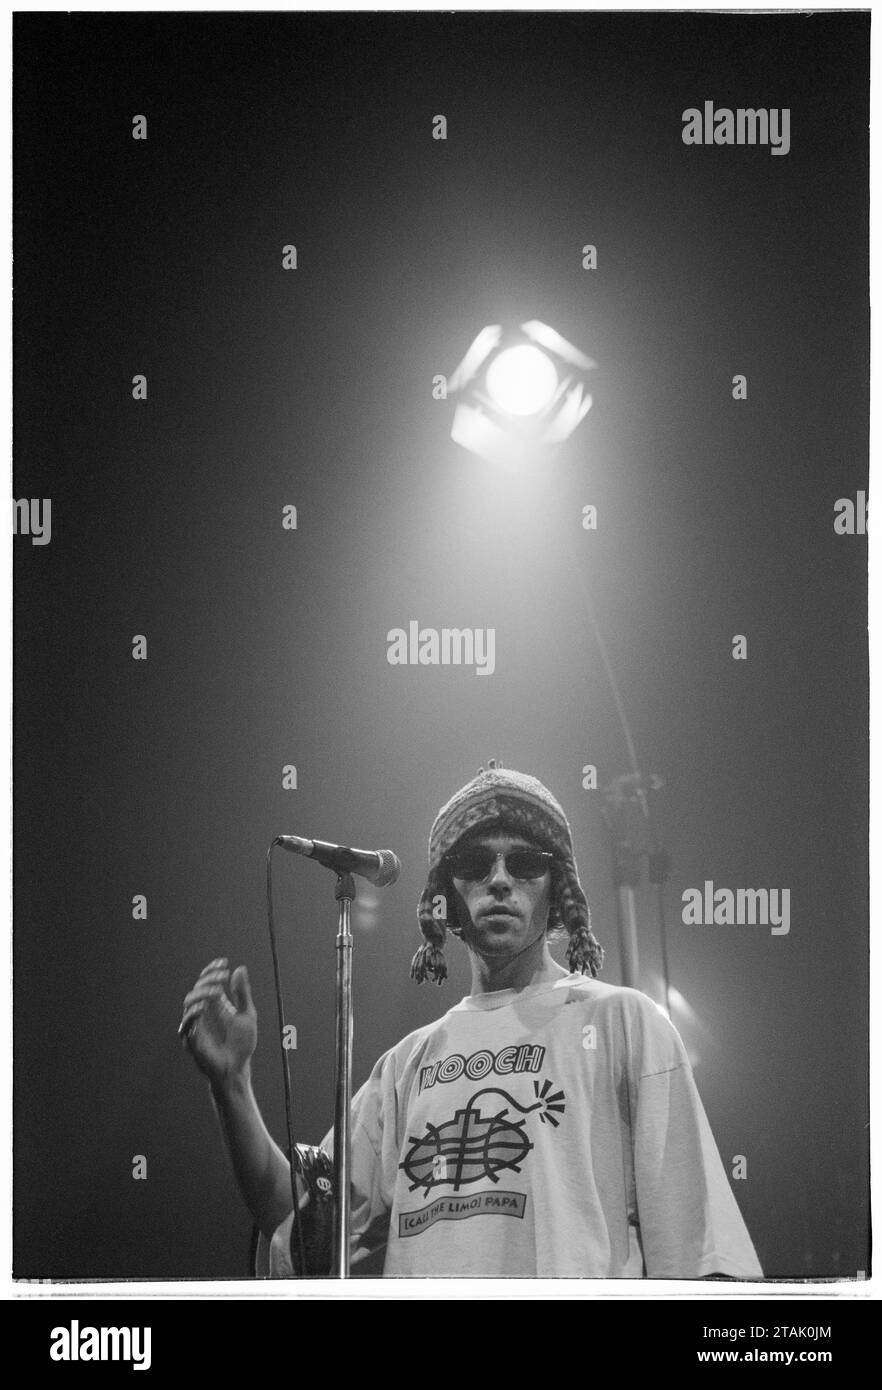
{"x":501,"y":914}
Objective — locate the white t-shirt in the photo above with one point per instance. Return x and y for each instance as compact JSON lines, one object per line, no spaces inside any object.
{"x":553,"y":1131}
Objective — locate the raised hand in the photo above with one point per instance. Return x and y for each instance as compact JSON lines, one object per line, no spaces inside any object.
{"x":219,"y":1023}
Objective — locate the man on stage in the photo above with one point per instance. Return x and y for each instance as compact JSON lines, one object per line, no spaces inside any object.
{"x":547,"y":1125}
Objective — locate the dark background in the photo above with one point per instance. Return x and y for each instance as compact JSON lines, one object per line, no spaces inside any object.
{"x":268,"y":647}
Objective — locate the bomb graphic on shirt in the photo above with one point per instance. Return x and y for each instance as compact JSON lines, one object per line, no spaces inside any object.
{"x":481,"y":1141}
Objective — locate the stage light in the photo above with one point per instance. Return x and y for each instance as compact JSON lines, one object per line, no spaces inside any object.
{"x":522,"y":380}
{"x":519,"y":394}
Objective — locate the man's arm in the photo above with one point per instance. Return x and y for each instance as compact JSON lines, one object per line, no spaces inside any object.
{"x":261,"y":1169}
{"x":219,"y":1026}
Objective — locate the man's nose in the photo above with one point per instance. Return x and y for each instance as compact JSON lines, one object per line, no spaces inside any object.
{"x":499,"y":875}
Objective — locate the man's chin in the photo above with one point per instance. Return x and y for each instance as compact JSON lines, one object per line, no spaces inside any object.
{"x":498,"y":937}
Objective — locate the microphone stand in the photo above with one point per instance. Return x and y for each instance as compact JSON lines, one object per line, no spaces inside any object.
{"x":623,"y":794}
{"x":624,"y":791}
{"x":626,"y":876}
{"x":344,"y":893}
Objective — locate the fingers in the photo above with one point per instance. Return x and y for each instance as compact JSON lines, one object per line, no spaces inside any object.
{"x":240,"y":989}
{"x":216,"y":989}
{"x":215,"y":979}
{"x":216,"y":967}
{"x":189,"y":1019}
{"x":209,"y":989}
{"x":214,"y":974}
{"x":215,"y":1002}
{"x":194,"y":1008}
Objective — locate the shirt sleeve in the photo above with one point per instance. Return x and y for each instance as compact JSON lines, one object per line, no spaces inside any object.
{"x":690,"y":1224}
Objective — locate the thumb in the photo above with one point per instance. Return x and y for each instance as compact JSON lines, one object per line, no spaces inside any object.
{"x":240,"y":990}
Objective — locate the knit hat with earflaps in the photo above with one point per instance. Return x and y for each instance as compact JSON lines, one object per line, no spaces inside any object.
{"x":521,"y":805}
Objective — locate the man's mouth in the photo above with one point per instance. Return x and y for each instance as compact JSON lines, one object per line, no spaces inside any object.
{"x":493,"y":912}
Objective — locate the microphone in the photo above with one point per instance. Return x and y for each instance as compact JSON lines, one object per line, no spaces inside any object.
{"x":379,"y":866}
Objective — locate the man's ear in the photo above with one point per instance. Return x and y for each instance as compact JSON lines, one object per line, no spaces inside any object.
{"x":554,"y":922}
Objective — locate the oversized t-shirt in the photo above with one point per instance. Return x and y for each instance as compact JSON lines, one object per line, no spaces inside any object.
{"x":553,"y":1131}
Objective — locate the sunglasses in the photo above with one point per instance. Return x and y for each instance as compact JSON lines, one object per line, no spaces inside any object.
{"x":478,"y":864}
